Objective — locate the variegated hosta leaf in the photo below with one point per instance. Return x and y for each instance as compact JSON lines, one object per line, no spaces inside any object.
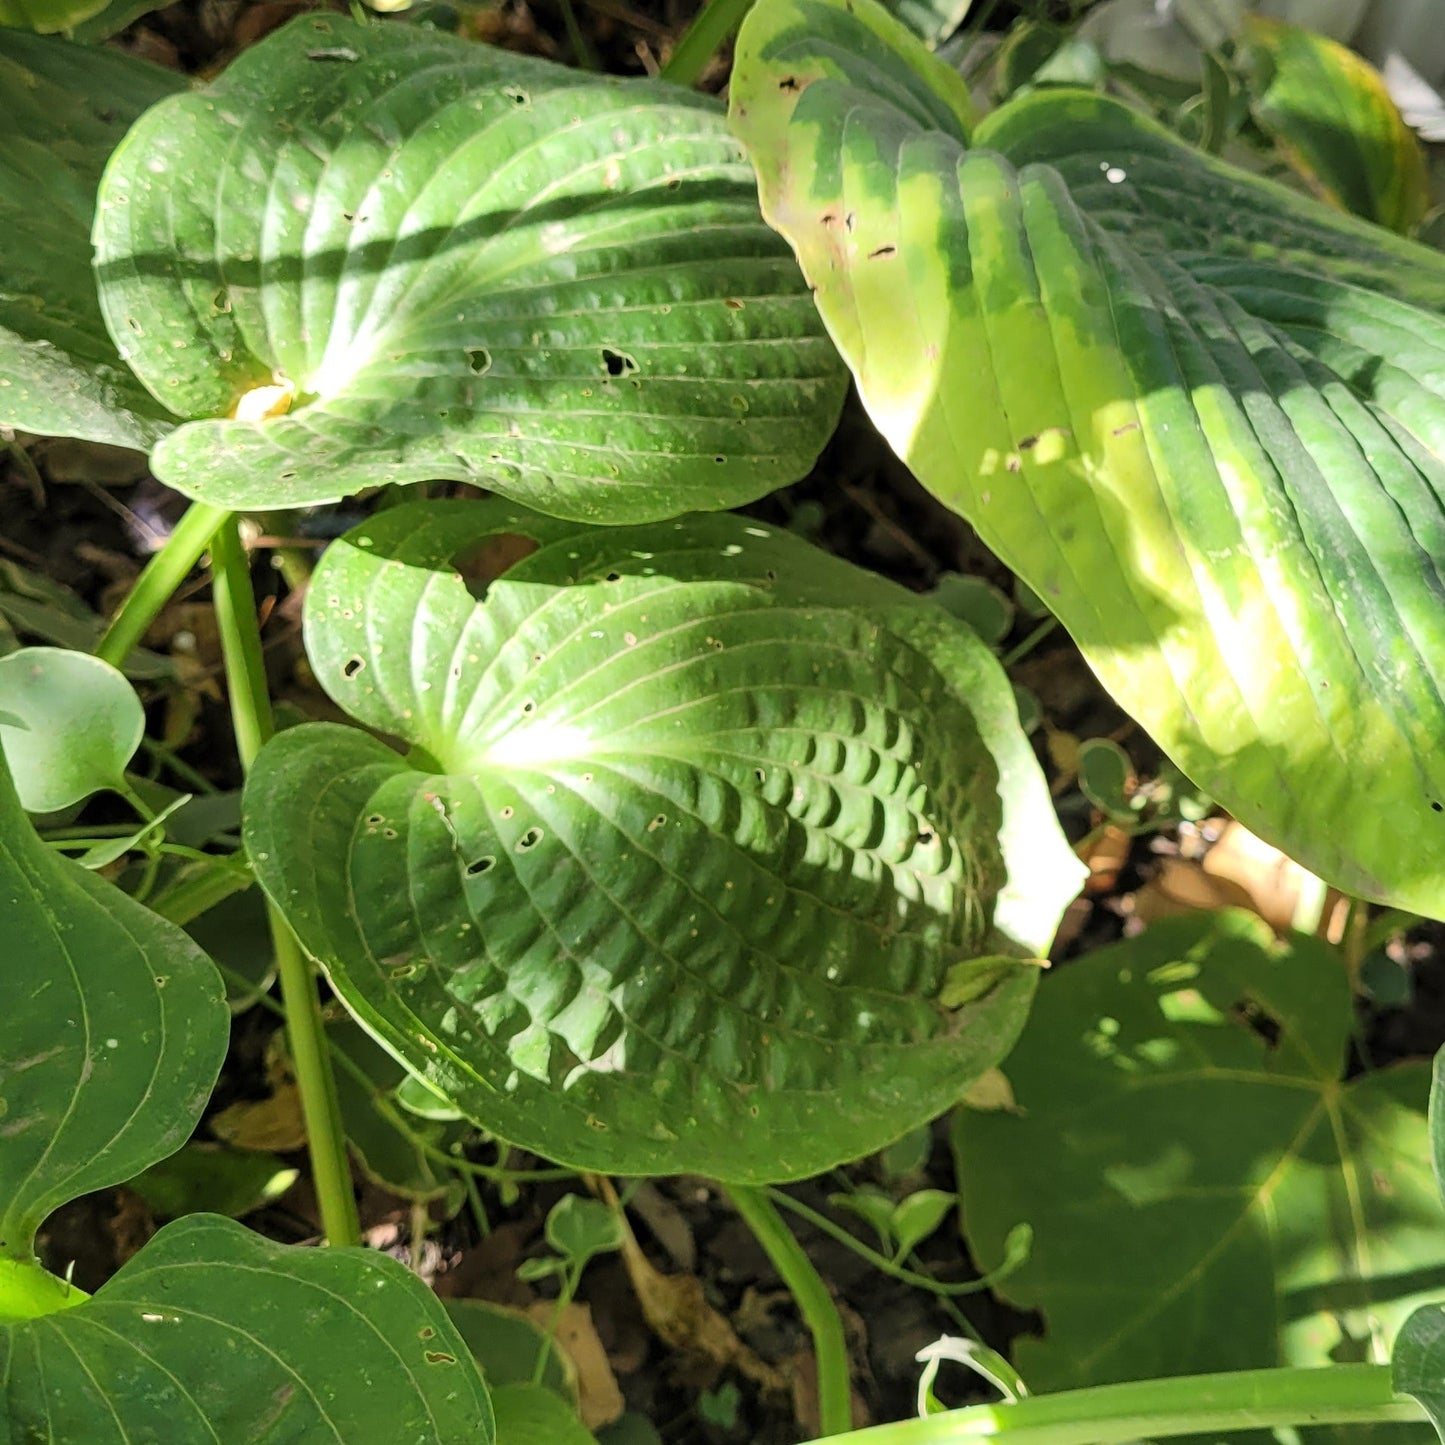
{"x":695,"y":822}
{"x":65,"y":109}
{"x":1202,"y":417}
{"x":416,"y":257}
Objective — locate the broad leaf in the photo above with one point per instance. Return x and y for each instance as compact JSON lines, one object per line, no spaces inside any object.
{"x":47,"y":16}
{"x":113,"y":1026}
{"x":66,"y":108}
{"x":212,"y":1333}
{"x":1419,"y":1362}
{"x":1331,"y":115}
{"x":529,"y":1415}
{"x":694,"y":823}
{"x":1206,"y":1192}
{"x":1201,"y":416}
{"x":72,"y":723}
{"x":453,"y":261}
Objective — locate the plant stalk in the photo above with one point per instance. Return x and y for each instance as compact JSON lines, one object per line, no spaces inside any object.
{"x":235,"y":605}
{"x":159,"y":581}
{"x":707,"y":34}
{"x":1158,"y":1409}
{"x":820,"y":1314}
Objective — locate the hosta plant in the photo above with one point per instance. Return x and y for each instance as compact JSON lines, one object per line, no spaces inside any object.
{"x":655,"y":841}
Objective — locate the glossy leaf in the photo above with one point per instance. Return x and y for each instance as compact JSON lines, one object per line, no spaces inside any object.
{"x":66,"y":108}
{"x":529,"y":1415}
{"x":1206,"y":1192}
{"x":694,"y":823}
{"x":212,"y":1333}
{"x":73,"y":723}
{"x":1201,"y":416}
{"x":1330,"y":114}
{"x":46,"y":16}
{"x":506,"y":1344}
{"x":1419,"y":1362}
{"x":113,"y":1026}
{"x":453,"y":261}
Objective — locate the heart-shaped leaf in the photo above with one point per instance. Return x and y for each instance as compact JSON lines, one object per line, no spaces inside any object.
{"x":72,"y":724}
{"x":695,"y":821}
{"x":1206,"y":1192}
{"x":212,"y":1333}
{"x":1419,"y":1362}
{"x":113,"y":1025}
{"x":66,"y":108}
{"x":1331,"y":115}
{"x":1201,"y":416}
{"x":416,"y":257}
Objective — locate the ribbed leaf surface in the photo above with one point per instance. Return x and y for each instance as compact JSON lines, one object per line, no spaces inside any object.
{"x":113,"y":1025}
{"x":466,"y":264}
{"x":695,"y":822}
{"x":1202,"y":417}
{"x":65,"y":109}
{"x":212,"y":1333}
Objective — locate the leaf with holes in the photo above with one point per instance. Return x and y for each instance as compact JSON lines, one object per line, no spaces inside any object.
{"x":212,"y":1333}
{"x":113,"y":1025}
{"x":420,"y":257}
{"x":1201,"y":416}
{"x":1206,"y":1191}
{"x":694,"y":822}
{"x":66,"y":108}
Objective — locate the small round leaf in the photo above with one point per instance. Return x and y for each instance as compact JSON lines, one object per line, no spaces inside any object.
{"x":77,"y":723}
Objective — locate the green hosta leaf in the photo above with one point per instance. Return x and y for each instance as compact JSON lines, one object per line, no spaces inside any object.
{"x":77,"y":723}
{"x":529,"y":1415}
{"x":1331,"y":115}
{"x":47,"y":16}
{"x":1205,"y":1191}
{"x":112,"y":1030}
{"x":465,"y":263}
{"x":1202,"y":417}
{"x":1419,"y":1362}
{"x":507,"y":1345}
{"x":211,"y":1179}
{"x":212,"y":1333}
{"x":66,"y":108}
{"x":694,"y":823}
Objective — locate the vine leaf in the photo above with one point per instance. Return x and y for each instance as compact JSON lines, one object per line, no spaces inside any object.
{"x":694,"y":823}
{"x":113,"y":1026}
{"x":1201,"y":416}
{"x":66,"y":108}
{"x":420,"y":257}
{"x":214,"y":1333}
{"x":1205,"y":1191}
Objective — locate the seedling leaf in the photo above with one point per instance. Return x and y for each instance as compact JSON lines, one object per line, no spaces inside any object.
{"x":1205,"y":1191}
{"x":694,"y":823}
{"x":214,"y":1333}
{"x":419,"y":257}
{"x":1201,"y":416}
{"x":81,"y":723}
